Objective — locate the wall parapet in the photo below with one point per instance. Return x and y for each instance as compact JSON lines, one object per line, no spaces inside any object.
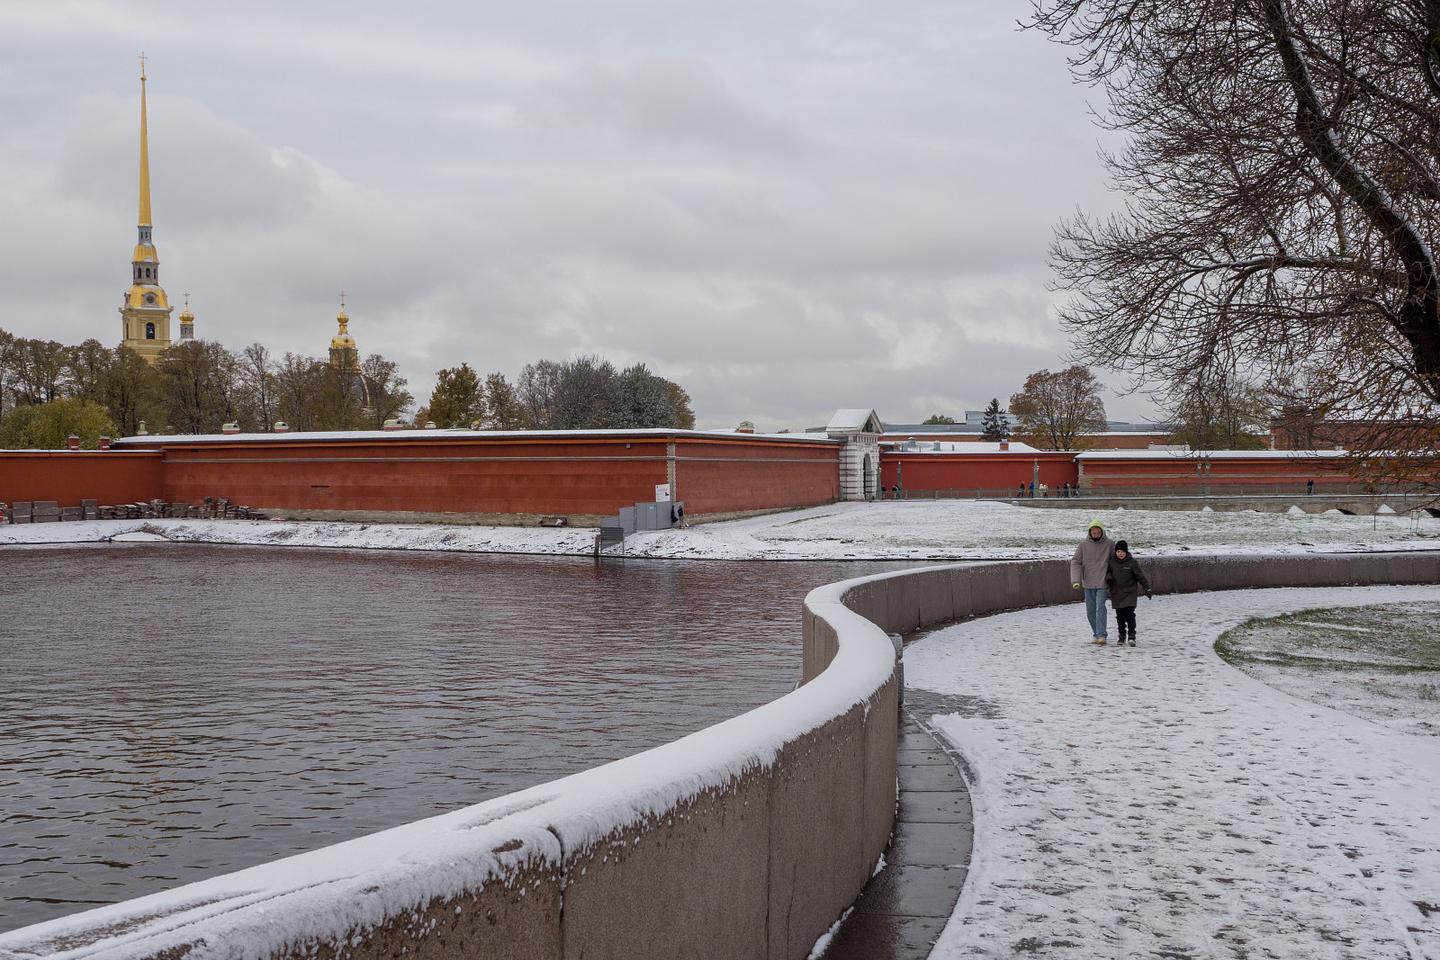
{"x":744,"y":840}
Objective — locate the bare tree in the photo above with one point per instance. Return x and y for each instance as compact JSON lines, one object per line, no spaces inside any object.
{"x":198,"y":380}
{"x":297,"y":391}
{"x":256,"y":374}
{"x":1054,"y":409}
{"x":1282,"y":175}
{"x":535,"y":389}
{"x":1221,"y":412}
{"x":389,"y":396}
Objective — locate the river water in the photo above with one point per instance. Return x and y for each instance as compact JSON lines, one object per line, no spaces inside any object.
{"x":169,"y":712}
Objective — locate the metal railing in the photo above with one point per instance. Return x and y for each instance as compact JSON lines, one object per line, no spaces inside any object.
{"x":1214,"y":491}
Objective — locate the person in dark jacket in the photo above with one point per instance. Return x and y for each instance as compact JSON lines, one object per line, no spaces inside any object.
{"x":1126,"y":579}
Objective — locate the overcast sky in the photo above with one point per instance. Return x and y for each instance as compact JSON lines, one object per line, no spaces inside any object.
{"x":786,"y":207}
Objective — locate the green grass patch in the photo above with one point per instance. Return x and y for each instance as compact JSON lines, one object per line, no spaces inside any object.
{"x":1381,"y":662}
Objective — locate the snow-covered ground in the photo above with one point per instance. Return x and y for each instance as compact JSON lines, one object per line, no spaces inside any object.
{"x":906,"y":530}
{"x":1156,"y":802}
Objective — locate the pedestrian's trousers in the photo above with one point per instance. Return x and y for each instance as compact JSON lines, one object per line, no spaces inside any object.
{"x":1095,"y":598}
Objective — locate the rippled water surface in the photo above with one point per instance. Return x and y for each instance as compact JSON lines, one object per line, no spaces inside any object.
{"x":171,"y":712}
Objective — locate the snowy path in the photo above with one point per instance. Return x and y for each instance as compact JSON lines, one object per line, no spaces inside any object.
{"x":1156,"y":802}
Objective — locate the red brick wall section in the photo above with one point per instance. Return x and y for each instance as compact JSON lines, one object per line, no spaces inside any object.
{"x":716,"y":475}
{"x":110,"y":476}
{"x":499,"y":475}
{"x":974,"y":472}
{"x":574,"y":476}
{"x":1179,"y":474}
{"x":1122,"y":441}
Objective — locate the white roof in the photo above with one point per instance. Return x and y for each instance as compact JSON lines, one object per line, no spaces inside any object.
{"x":856,"y":420}
{"x":452,"y":434}
{"x":961,"y":446}
{"x":1211,"y":454}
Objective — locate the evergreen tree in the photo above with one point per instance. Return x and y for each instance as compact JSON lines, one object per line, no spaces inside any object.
{"x":45,"y":426}
{"x":458,"y":399}
{"x":587,"y":394}
{"x":503,"y":408}
{"x":645,"y":399}
{"x":996,"y":425}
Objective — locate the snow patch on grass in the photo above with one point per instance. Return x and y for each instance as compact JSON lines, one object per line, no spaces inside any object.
{"x":1381,"y":662}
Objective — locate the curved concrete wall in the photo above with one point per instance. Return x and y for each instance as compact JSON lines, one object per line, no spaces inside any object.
{"x":744,"y":840}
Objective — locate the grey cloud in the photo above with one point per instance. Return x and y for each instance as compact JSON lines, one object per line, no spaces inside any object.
{"x":666,"y":101}
{"x":788,"y":208}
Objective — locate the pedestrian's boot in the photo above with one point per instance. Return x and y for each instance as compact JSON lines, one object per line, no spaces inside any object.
{"x":1132,"y":638}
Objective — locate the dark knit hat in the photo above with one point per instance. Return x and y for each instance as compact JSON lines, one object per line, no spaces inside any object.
{"x":1122,"y":545}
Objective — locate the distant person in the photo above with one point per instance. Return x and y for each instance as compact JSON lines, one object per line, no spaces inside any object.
{"x":1032,"y":489}
{"x":1021,"y":491}
{"x":1065,"y":490}
{"x":1089,"y":569}
{"x":1310,"y":487}
{"x":1125,"y":580}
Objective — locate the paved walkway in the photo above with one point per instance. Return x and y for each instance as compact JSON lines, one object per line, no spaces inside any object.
{"x":1155,"y":802}
{"x":904,"y":907}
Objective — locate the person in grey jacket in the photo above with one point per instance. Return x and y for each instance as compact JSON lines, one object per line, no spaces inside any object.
{"x":1126,"y":579}
{"x":1088,"y":569}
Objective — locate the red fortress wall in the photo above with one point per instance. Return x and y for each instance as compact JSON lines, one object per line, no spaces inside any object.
{"x":1234,"y":470}
{"x":466,"y":474}
{"x":717,"y":475}
{"x":921,"y":472}
{"x":67,"y":477}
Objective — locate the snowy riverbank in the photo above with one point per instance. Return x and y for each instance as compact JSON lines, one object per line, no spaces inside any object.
{"x":1154,"y":801}
{"x":910,"y":530}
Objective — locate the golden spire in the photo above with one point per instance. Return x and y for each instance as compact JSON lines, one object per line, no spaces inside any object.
{"x":144,"y":154}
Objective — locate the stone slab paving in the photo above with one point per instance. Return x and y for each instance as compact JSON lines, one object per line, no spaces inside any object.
{"x":1156,"y":802}
{"x":902,"y":910}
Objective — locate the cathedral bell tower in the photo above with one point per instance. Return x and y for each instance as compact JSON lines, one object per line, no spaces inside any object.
{"x":145,"y":313}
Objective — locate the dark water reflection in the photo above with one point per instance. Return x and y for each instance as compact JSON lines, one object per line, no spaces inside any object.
{"x":170,"y":712}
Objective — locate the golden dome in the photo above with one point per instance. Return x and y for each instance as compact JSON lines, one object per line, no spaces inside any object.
{"x":151,"y":297}
{"x":185,"y":315}
{"x":145,"y":253}
{"x":342,"y":339}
